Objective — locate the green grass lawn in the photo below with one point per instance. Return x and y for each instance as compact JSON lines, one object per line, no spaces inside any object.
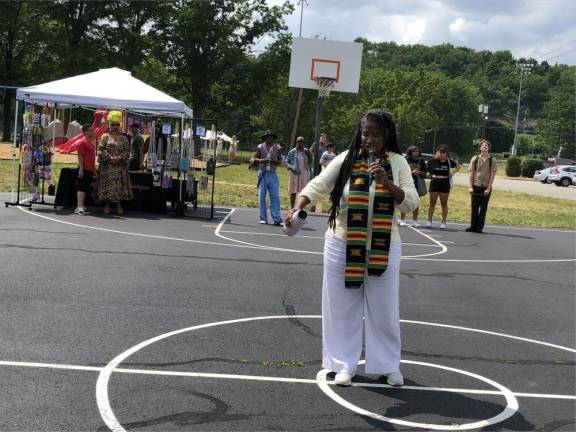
{"x":236,"y":186}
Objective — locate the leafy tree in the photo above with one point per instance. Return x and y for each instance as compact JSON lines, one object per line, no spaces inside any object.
{"x":557,"y":124}
{"x":201,"y":40}
{"x":16,"y":29}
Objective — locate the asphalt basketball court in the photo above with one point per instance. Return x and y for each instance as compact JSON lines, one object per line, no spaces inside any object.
{"x":162,"y":323}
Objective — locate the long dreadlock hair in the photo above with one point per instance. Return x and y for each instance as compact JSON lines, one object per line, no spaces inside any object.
{"x":386,"y":125}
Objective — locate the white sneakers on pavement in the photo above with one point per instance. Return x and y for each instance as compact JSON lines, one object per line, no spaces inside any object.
{"x":415,"y":224}
{"x":343,"y":379}
{"x":443,"y":225}
{"x":395,"y":379}
{"x":402,"y":222}
{"x":429,"y":224}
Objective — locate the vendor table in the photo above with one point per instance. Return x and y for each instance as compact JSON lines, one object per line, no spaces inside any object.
{"x":147,"y":197}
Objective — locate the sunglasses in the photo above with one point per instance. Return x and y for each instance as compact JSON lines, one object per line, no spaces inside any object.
{"x":114,"y":124}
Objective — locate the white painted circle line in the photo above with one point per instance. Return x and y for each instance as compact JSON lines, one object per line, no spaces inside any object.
{"x":572,"y":350}
{"x":510,"y":409}
{"x":138,"y":234}
{"x":254,"y":245}
{"x":443,"y":247}
{"x":103,"y":400}
{"x":261,"y":247}
{"x":102,"y":397}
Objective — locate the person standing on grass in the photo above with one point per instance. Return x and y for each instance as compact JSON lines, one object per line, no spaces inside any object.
{"x":298,"y":161}
{"x":317,"y":150}
{"x":232,"y":149}
{"x":86,"y":167}
{"x":418,"y":167}
{"x":481,"y":173}
{"x":327,"y":156}
{"x":268,"y":156}
{"x":440,"y":170}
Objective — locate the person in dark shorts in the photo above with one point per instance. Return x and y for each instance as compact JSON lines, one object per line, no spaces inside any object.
{"x":440,"y":171}
{"x":86,"y":167}
{"x":418,"y":167}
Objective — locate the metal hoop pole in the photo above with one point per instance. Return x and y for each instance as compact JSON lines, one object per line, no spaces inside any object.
{"x":317,"y":136}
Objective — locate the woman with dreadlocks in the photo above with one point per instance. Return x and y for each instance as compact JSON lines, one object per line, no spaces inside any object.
{"x":362,"y":250}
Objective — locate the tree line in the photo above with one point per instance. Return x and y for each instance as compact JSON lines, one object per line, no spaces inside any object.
{"x":202,"y":53}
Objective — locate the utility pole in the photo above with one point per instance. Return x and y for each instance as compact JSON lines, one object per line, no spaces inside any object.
{"x":524,"y":68}
{"x":483,"y":110}
{"x":301,"y":91}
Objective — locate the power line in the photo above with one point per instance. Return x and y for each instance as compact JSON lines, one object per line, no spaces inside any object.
{"x":560,"y":55}
{"x":555,"y":49}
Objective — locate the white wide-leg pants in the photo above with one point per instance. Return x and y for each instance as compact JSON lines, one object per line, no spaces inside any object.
{"x":346,"y":312}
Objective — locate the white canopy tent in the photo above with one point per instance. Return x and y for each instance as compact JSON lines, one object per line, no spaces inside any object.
{"x":107,"y":88}
{"x":210,"y":136}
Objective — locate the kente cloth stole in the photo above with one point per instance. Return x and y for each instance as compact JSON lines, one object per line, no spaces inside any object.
{"x":357,"y":224}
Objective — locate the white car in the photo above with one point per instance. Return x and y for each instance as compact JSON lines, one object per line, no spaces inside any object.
{"x":563,"y":175}
{"x":542,"y":175}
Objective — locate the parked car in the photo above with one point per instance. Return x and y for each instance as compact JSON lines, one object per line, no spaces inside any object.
{"x":563,"y":175}
{"x":542,"y":175}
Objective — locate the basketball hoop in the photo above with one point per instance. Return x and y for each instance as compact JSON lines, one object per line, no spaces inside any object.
{"x":325,"y":85}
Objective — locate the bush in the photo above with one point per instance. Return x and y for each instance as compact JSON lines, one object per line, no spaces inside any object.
{"x":514,"y":167}
{"x":530,"y":166}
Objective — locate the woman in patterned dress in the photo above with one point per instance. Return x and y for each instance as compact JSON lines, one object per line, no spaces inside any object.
{"x":113,"y":156}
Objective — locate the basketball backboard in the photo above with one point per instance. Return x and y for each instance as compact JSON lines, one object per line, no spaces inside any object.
{"x":312,"y":58}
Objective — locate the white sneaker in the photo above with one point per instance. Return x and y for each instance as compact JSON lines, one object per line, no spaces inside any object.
{"x":343,"y":379}
{"x":415,"y":224}
{"x":401,"y":222}
{"x":395,"y":379}
{"x":80,"y":211}
{"x":443,"y":225}
{"x":428,"y":224}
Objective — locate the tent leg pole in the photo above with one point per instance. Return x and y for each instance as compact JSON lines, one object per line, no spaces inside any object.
{"x":14,"y":150}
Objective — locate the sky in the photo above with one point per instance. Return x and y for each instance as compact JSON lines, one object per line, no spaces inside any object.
{"x":541,"y":29}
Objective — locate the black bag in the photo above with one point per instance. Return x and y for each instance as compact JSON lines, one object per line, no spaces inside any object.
{"x":421,"y":188}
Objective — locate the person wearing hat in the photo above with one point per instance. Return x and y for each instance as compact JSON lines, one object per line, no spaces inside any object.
{"x":268,"y":156}
{"x":113,"y":154}
{"x":136,"y":148}
{"x":299,"y":162}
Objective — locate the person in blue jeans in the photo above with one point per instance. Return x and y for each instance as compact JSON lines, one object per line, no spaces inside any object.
{"x":269,"y":156}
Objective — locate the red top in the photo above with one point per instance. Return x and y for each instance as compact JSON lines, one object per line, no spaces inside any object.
{"x":87,"y":151}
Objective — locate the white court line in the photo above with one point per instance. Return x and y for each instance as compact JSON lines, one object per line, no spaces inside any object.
{"x":269,"y":234}
{"x":520,"y":228}
{"x":491,"y":261}
{"x":260,"y":247}
{"x":270,"y":379}
{"x":443,"y":250}
{"x":102,"y":396}
{"x":140,"y":235}
{"x":305,"y":236}
{"x":218,"y":229}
